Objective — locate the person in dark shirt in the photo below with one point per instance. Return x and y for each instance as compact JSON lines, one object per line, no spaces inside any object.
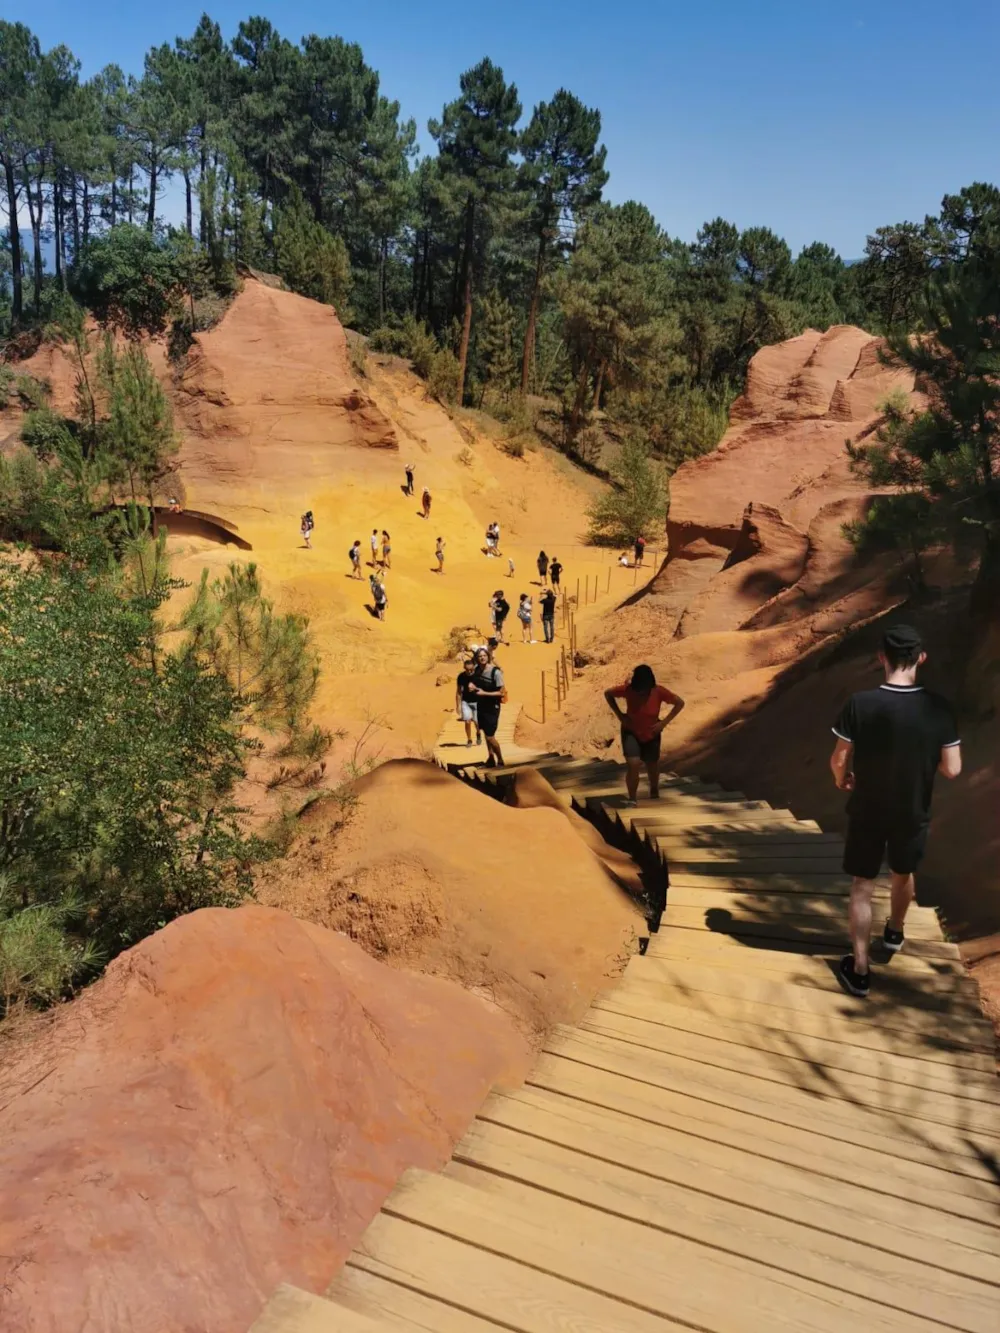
{"x":548,"y":604}
{"x":555,"y":572}
{"x":891,"y":741}
{"x":465,"y":702}
{"x":487,"y":688}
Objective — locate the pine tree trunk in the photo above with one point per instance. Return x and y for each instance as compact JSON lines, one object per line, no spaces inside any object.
{"x":14,"y":234}
{"x":151,"y":210}
{"x":34,"y":218}
{"x":581,"y":395}
{"x":114,"y":201}
{"x":529,"y":333}
{"x":187,"y":201}
{"x":131,"y":193}
{"x":58,"y":227}
{"x":601,"y":371}
{"x":383,"y":245}
{"x":463,"y":353}
{"x":202,"y":167}
{"x":76,"y":219}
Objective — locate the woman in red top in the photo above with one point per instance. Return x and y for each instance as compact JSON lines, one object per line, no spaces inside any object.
{"x":642,"y":726}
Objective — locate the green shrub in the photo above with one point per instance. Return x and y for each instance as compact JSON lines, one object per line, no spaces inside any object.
{"x":32,"y":393}
{"x":388,"y":339}
{"x":357,"y":354}
{"x":6,"y":385}
{"x":637,"y":502}
{"x":44,"y":432}
{"x":39,"y":959}
{"x":442,"y":377}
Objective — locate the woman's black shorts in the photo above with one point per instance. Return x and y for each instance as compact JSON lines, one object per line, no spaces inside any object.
{"x":634,"y":748}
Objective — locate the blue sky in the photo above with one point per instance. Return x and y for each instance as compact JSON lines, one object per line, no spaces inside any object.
{"x":821,"y":120}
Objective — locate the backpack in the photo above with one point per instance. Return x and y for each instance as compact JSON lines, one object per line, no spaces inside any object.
{"x":503,"y":697}
{"x":352,"y":555}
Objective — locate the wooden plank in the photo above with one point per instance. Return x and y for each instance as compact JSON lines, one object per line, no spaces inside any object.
{"x":738,"y":835}
{"x":931,"y":1235}
{"x":908,"y":985}
{"x":900,"y":1178}
{"x":787,"y":959}
{"x":814,"y":859}
{"x":692,"y":816}
{"x":894,"y":1097}
{"x":959,"y":1148}
{"x":825,"y":1043}
{"x":840,"y":1263}
{"x":491,"y":1286}
{"x":291,"y":1310}
{"x":400,"y":1308}
{"x":725,"y":928}
{"x":835,"y":886}
{"x":937,"y":1028}
{"x":661,"y":1273}
{"x":709,"y":892}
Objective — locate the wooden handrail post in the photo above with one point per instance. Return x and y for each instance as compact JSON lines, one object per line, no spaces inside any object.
{"x":578,"y":594}
{"x":609,"y":578}
{"x":558,"y":690}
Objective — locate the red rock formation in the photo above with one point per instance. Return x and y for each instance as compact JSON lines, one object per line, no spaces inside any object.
{"x":225,"y":1110}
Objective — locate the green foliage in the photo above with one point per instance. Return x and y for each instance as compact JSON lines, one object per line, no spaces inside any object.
{"x":268,"y":659}
{"x":31,"y":393}
{"x":114,"y":773}
{"x":443,"y":378}
{"x":41,"y":956}
{"x":127,"y":279}
{"x":45,"y":432}
{"x":636,"y":504}
{"x":312,"y":261}
{"x":138,"y":437}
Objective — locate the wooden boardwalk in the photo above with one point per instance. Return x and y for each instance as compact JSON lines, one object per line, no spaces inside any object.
{"x":726,"y":1143}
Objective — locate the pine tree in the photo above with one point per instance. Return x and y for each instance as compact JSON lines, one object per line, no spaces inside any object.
{"x":476,"y":137}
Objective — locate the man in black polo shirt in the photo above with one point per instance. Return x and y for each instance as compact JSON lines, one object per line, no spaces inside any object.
{"x":890,"y":743}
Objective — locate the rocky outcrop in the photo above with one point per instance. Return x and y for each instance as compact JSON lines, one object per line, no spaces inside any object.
{"x":226,"y":1109}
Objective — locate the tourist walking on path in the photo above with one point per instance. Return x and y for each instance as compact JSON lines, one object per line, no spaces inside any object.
{"x":524,"y":616}
{"x":439,"y":554}
{"x":465,"y":701}
{"x":425,"y":502}
{"x":543,"y":567}
{"x":548,"y":600}
{"x":409,"y":479}
{"x":488,"y":690}
{"x":510,"y":566}
{"x":640,"y":550}
{"x":891,"y":741}
{"x":354,"y":555}
{"x":386,"y":550}
{"x":642,"y":726}
{"x":499,"y":611}
{"x":379,"y":597}
{"x":491,"y":541}
{"x":373,"y":542}
{"x":555,"y":572}
{"x":306,"y":528}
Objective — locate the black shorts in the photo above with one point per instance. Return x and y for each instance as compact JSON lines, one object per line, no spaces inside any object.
{"x":872,"y":837}
{"x":488,"y":714}
{"x":634,"y":748}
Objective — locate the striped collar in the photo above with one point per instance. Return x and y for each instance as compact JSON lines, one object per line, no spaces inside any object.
{"x":902,"y":689}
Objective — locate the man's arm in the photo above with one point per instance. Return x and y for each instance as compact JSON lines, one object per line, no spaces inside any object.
{"x":840,"y":764}
{"x":612,"y":696}
{"x":676,"y":704}
{"x":950,"y":763}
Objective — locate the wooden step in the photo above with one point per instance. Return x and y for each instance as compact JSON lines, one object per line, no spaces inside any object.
{"x":399,"y":1306}
{"x":496,"y":1159}
{"x":688,"y":907}
{"x":612,"y":1256}
{"x":964,"y":1148}
{"x":291,"y":1310}
{"x":931,"y":1184}
{"x":797,"y":1194}
{"x":763,"y":943}
{"x":872,"y":1091}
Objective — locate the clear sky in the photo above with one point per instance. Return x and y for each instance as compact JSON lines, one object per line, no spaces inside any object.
{"x":820,"y":119}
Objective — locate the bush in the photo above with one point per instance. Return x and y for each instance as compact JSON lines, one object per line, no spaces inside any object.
{"x":311,"y":259}
{"x":6,"y":385}
{"x":442,"y":378}
{"x":410,"y":339}
{"x":127,"y":279}
{"x":32,"y":393}
{"x":357,"y":354}
{"x":637,"y":501}
{"x":45,"y":432}
{"x":39,"y":959}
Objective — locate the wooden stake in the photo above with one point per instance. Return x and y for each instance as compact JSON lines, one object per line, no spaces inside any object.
{"x":578,"y":594}
{"x":558,"y":690}
{"x":543,"y":696}
{"x":609,"y":578}
{"x":565,"y":677}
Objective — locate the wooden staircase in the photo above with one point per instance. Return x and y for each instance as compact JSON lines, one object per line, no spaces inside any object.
{"x":726,"y":1143}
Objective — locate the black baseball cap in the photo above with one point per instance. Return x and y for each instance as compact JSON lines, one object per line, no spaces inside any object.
{"x":902,"y":638}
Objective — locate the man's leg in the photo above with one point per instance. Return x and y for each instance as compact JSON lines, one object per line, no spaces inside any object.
{"x":860,"y":917}
{"x":903,"y":892}
{"x":653,"y":772}
{"x":632,"y":769}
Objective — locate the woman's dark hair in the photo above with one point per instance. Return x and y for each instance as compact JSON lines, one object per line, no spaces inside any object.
{"x":542,"y":555}
{"x":643,"y":679}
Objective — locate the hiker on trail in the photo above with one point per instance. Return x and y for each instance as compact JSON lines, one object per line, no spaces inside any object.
{"x":409,"y":479}
{"x":548,"y":601}
{"x":386,"y":550}
{"x":491,"y":541}
{"x":510,"y":566}
{"x":439,"y":554}
{"x":642,"y":727}
{"x":174,"y":505}
{"x":379,"y":597}
{"x":465,"y":701}
{"x":306,"y":528}
{"x":555,"y":572}
{"x":890,"y":743}
{"x":354,"y":555}
{"x":543,"y":567}
{"x":640,"y":550}
{"x":623,"y":560}
{"x":499,"y":611}
{"x":489,"y":692}
{"x":373,"y":540}
{"x":425,"y":501}
{"x":524,"y":616}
